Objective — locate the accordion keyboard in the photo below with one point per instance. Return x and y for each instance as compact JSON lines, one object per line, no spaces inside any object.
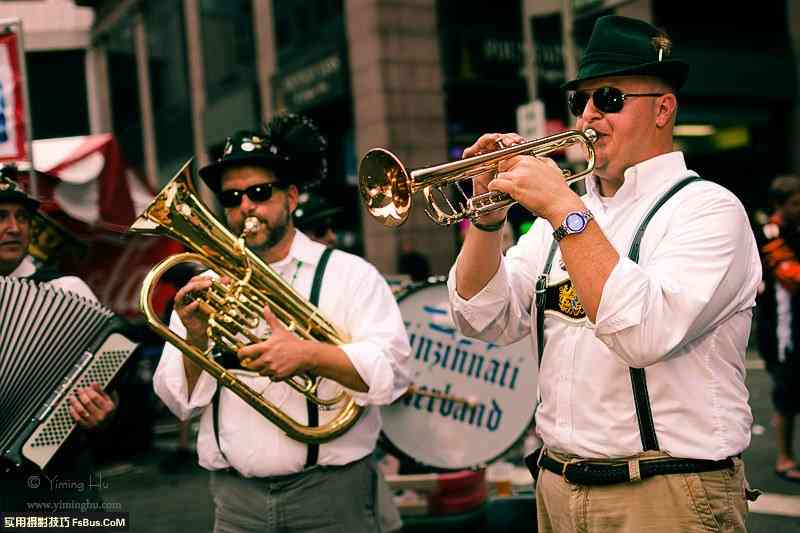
{"x":51,"y":344}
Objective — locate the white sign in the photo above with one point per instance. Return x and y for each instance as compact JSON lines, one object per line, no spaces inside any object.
{"x":530,"y":120}
{"x":13,"y":133}
{"x":472,"y":400}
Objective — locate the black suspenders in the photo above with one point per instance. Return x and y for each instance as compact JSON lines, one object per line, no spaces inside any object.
{"x":313,"y":408}
{"x":313,"y":412}
{"x":641,"y":398}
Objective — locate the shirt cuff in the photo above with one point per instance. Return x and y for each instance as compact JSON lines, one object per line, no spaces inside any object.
{"x":172,"y":387}
{"x":480,"y":310}
{"x":386,"y":381}
{"x":622,"y":302}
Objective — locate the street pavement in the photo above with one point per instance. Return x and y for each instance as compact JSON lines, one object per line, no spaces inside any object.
{"x":180,"y":501}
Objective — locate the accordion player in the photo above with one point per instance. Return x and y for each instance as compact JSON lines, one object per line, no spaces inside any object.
{"x":52,"y":343}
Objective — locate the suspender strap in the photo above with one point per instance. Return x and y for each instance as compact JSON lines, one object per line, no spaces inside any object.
{"x":313,"y":413}
{"x":313,"y":409}
{"x":633,"y":253}
{"x":215,"y":420}
{"x":641,"y":398}
{"x":541,"y":295}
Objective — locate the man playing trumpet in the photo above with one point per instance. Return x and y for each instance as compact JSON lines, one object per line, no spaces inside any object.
{"x":261,"y":479}
{"x":642,"y":334}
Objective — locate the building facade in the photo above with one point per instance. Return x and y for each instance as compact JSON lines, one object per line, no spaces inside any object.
{"x":422,"y":78}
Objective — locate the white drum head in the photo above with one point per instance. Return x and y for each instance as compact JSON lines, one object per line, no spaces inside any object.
{"x":501,"y":380}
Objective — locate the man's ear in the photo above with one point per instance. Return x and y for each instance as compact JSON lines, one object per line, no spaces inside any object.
{"x":665,"y":112}
{"x":293,"y":193}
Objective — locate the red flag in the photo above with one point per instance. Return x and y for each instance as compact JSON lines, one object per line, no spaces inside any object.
{"x":86,"y":186}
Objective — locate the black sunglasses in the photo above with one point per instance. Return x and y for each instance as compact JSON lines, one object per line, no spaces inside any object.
{"x":257,"y":193}
{"x":605,"y":99}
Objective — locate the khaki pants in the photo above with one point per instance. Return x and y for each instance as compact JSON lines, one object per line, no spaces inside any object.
{"x":679,"y":503}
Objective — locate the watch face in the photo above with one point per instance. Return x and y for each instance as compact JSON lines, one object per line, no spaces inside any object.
{"x":575,"y":222}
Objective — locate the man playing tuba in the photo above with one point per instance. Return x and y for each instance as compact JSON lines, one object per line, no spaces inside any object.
{"x":262,"y":480}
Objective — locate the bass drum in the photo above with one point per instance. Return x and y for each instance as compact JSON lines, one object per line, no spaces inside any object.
{"x":472,"y":400}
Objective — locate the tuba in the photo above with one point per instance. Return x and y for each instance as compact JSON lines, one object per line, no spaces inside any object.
{"x":387,"y":187}
{"x":235,"y":310}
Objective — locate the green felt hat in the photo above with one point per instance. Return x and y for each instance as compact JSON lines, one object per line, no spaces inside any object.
{"x":622,"y":46}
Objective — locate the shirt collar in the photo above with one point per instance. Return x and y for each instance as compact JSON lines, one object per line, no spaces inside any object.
{"x":303,"y":249}
{"x":25,"y":269}
{"x":645,"y":177}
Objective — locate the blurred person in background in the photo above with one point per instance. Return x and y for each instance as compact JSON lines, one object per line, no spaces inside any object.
{"x":642,"y":335}
{"x":261,"y":479}
{"x":414,"y":264}
{"x":314,"y":216}
{"x":778,"y":326}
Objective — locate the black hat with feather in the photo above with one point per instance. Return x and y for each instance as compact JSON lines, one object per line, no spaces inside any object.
{"x":291,"y":146}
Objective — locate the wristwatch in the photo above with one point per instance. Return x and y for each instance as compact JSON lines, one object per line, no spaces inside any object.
{"x":574,"y":222}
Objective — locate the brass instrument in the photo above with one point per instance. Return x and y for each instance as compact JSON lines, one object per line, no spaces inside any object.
{"x":234,"y":310}
{"x":387,"y":187}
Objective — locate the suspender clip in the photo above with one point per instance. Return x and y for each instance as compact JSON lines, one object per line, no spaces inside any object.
{"x":541,"y":289}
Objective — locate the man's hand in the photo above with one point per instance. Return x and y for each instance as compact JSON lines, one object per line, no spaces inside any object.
{"x":91,"y":407}
{"x":188,"y":308}
{"x":281,"y":356}
{"x":490,"y":142}
{"x":538,"y":184}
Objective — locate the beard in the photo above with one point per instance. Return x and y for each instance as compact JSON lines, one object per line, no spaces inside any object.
{"x":275,"y":232}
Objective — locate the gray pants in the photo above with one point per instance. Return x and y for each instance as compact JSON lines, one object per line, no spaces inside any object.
{"x":320,"y":500}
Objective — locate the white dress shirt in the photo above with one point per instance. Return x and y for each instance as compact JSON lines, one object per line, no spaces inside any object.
{"x":68,"y":283}
{"x":683,"y":313}
{"x":356,"y":298}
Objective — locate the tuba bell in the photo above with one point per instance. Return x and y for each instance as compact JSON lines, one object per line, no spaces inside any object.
{"x":235,"y":310}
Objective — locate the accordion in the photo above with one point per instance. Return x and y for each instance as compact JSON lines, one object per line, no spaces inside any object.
{"x":52,"y":343}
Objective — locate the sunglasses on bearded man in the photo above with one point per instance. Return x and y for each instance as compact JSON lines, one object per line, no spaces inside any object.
{"x":260,"y":192}
{"x":605,"y":99}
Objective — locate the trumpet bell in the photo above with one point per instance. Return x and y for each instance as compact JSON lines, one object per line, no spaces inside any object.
{"x":385,"y":187}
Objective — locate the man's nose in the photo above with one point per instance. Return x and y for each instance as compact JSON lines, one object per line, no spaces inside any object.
{"x":590,"y":112}
{"x":12,"y":225}
{"x":247,"y":205}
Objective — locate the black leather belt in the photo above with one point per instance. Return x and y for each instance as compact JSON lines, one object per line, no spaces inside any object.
{"x":595,"y":473}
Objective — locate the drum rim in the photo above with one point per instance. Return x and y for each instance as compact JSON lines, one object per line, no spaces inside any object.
{"x":390,"y":446}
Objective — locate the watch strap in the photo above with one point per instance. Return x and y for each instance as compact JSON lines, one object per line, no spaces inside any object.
{"x":497,"y":226}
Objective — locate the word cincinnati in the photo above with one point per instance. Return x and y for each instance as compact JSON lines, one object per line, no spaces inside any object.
{"x":456,"y":358}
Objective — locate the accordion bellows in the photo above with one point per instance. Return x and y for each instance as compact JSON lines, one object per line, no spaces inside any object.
{"x":52,"y":343}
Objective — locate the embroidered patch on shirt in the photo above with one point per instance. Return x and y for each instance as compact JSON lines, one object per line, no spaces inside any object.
{"x":562,"y":300}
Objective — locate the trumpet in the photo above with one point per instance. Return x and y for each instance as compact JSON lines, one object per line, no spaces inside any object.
{"x":387,"y":188}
